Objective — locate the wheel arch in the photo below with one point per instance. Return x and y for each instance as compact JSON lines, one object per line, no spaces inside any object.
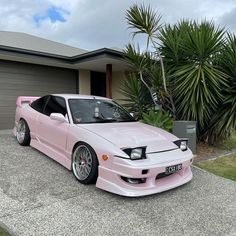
{"x":93,"y":175}
{"x":77,"y":143}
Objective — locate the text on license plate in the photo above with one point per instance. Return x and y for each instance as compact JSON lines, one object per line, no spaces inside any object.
{"x":173,"y":169}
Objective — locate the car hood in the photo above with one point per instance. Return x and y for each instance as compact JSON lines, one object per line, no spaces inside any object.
{"x":133,"y":134}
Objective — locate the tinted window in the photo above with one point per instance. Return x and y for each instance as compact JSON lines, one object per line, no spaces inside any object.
{"x":96,"y":110}
{"x":39,"y":104}
{"x":55,"y":105}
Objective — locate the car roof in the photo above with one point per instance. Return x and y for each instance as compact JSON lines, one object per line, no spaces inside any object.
{"x":79,"y":96}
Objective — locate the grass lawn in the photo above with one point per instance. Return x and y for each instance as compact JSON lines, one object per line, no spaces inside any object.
{"x":3,"y":232}
{"x":222,"y":166}
{"x":229,"y":144}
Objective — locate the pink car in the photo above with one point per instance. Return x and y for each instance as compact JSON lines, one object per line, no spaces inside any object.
{"x":102,"y":143}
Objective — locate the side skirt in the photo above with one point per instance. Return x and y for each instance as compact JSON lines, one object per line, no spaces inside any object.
{"x":58,"y":157}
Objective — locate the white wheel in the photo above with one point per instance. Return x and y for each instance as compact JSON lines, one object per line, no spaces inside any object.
{"x":23,"y":133}
{"x":84,"y":164}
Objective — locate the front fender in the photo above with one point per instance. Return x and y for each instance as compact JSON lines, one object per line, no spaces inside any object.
{"x":100,"y":145}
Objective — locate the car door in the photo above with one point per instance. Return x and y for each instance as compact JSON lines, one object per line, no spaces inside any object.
{"x":53,"y":133}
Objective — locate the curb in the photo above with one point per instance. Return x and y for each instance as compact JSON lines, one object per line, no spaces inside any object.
{"x":233,"y":152}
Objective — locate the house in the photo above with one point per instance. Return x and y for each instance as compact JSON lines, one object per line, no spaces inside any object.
{"x":34,"y":66}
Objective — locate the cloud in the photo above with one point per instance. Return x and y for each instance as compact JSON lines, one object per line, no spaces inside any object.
{"x":228,"y":20}
{"x":90,"y":24}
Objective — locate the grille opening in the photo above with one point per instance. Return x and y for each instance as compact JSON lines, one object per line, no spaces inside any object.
{"x":134,"y":180}
{"x":163,"y":175}
{"x":144,"y":172}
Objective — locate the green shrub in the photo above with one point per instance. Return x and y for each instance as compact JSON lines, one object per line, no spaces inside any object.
{"x":160,"y":119}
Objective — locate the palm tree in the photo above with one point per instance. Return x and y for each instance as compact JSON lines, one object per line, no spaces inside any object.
{"x":191,"y":50}
{"x":144,"y":20}
{"x":224,"y":120}
{"x":137,"y":98}
{"x":191,"y":62}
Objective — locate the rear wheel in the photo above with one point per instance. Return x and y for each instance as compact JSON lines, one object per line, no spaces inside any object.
{"x":85,"y":164}
{"x":23,"y":133}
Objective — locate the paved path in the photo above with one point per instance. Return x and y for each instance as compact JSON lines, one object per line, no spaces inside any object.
{"x":40,"y":197}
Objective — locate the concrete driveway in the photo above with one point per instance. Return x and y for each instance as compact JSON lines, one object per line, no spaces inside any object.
{"x":40,"y":197}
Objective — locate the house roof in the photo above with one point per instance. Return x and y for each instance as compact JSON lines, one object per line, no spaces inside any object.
{"x":37,"y":44}
{"x":31,"y":49}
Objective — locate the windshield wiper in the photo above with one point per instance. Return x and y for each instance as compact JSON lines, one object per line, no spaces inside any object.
{"x":103,"y":119}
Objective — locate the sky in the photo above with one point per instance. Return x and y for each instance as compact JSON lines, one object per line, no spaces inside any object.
{"x":94,"y":24}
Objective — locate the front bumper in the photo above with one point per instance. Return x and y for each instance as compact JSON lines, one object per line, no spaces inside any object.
{"x":111,"y":179}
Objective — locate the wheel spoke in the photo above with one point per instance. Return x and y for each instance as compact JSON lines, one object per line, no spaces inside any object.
{"x":86,"y":170}
{"x":21,"y":131}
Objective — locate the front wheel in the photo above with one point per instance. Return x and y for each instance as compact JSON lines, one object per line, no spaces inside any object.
{"x":23,"y":133}
{"x":85,"y":164}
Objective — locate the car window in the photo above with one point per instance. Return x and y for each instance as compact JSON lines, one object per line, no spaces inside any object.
{"x":97,"y":111}
{"x":39,"y":104}
{"x":55,"y":105}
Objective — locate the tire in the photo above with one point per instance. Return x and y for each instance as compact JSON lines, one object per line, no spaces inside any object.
{"x":85,"y":163}
{"x":23,"y":133}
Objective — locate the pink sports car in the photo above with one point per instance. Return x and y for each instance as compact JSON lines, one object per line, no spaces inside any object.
{"x":102,"y":143}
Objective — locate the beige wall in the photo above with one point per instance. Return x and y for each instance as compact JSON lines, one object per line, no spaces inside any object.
{"x":84,"y":82}
{"x":117,"y":80}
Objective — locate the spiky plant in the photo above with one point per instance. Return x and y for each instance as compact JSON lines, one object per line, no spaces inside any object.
{"x":224,"y":120}
{"x":137,"y":98}
{"x":144,"y":20}
{"x":197,"y":80}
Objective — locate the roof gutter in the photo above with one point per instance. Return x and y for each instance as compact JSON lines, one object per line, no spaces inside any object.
{"x":65,"y":59}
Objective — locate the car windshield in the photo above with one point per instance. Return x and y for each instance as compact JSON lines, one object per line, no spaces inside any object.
{"x":97,"y":111}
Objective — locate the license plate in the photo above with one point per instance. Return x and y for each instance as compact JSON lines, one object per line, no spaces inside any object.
{"x":173,"y":169}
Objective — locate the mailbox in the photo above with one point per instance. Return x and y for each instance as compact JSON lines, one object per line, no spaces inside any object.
{"x":186,"y":129}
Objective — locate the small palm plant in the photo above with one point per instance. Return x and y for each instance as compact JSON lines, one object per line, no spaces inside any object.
{"x":160,"y":119}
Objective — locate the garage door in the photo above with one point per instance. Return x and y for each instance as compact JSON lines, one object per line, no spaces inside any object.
{"x":21,"y":79}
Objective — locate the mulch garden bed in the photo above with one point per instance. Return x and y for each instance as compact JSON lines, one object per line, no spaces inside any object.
{"x":206,"y":152}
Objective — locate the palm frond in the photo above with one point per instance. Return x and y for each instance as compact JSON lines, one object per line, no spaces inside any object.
{"x":143,"y":20}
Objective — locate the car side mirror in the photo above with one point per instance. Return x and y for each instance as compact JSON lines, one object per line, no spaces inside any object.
{"x":58,"y":117}
{"x":134,"y":115}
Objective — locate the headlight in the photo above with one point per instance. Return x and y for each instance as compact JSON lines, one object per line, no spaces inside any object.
{"x":182,"y":144}
{"x":136,"y":153}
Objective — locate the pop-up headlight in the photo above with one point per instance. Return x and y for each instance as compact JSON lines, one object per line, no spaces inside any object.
{"x":136,"y":153}
{"x":182,"y":144}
